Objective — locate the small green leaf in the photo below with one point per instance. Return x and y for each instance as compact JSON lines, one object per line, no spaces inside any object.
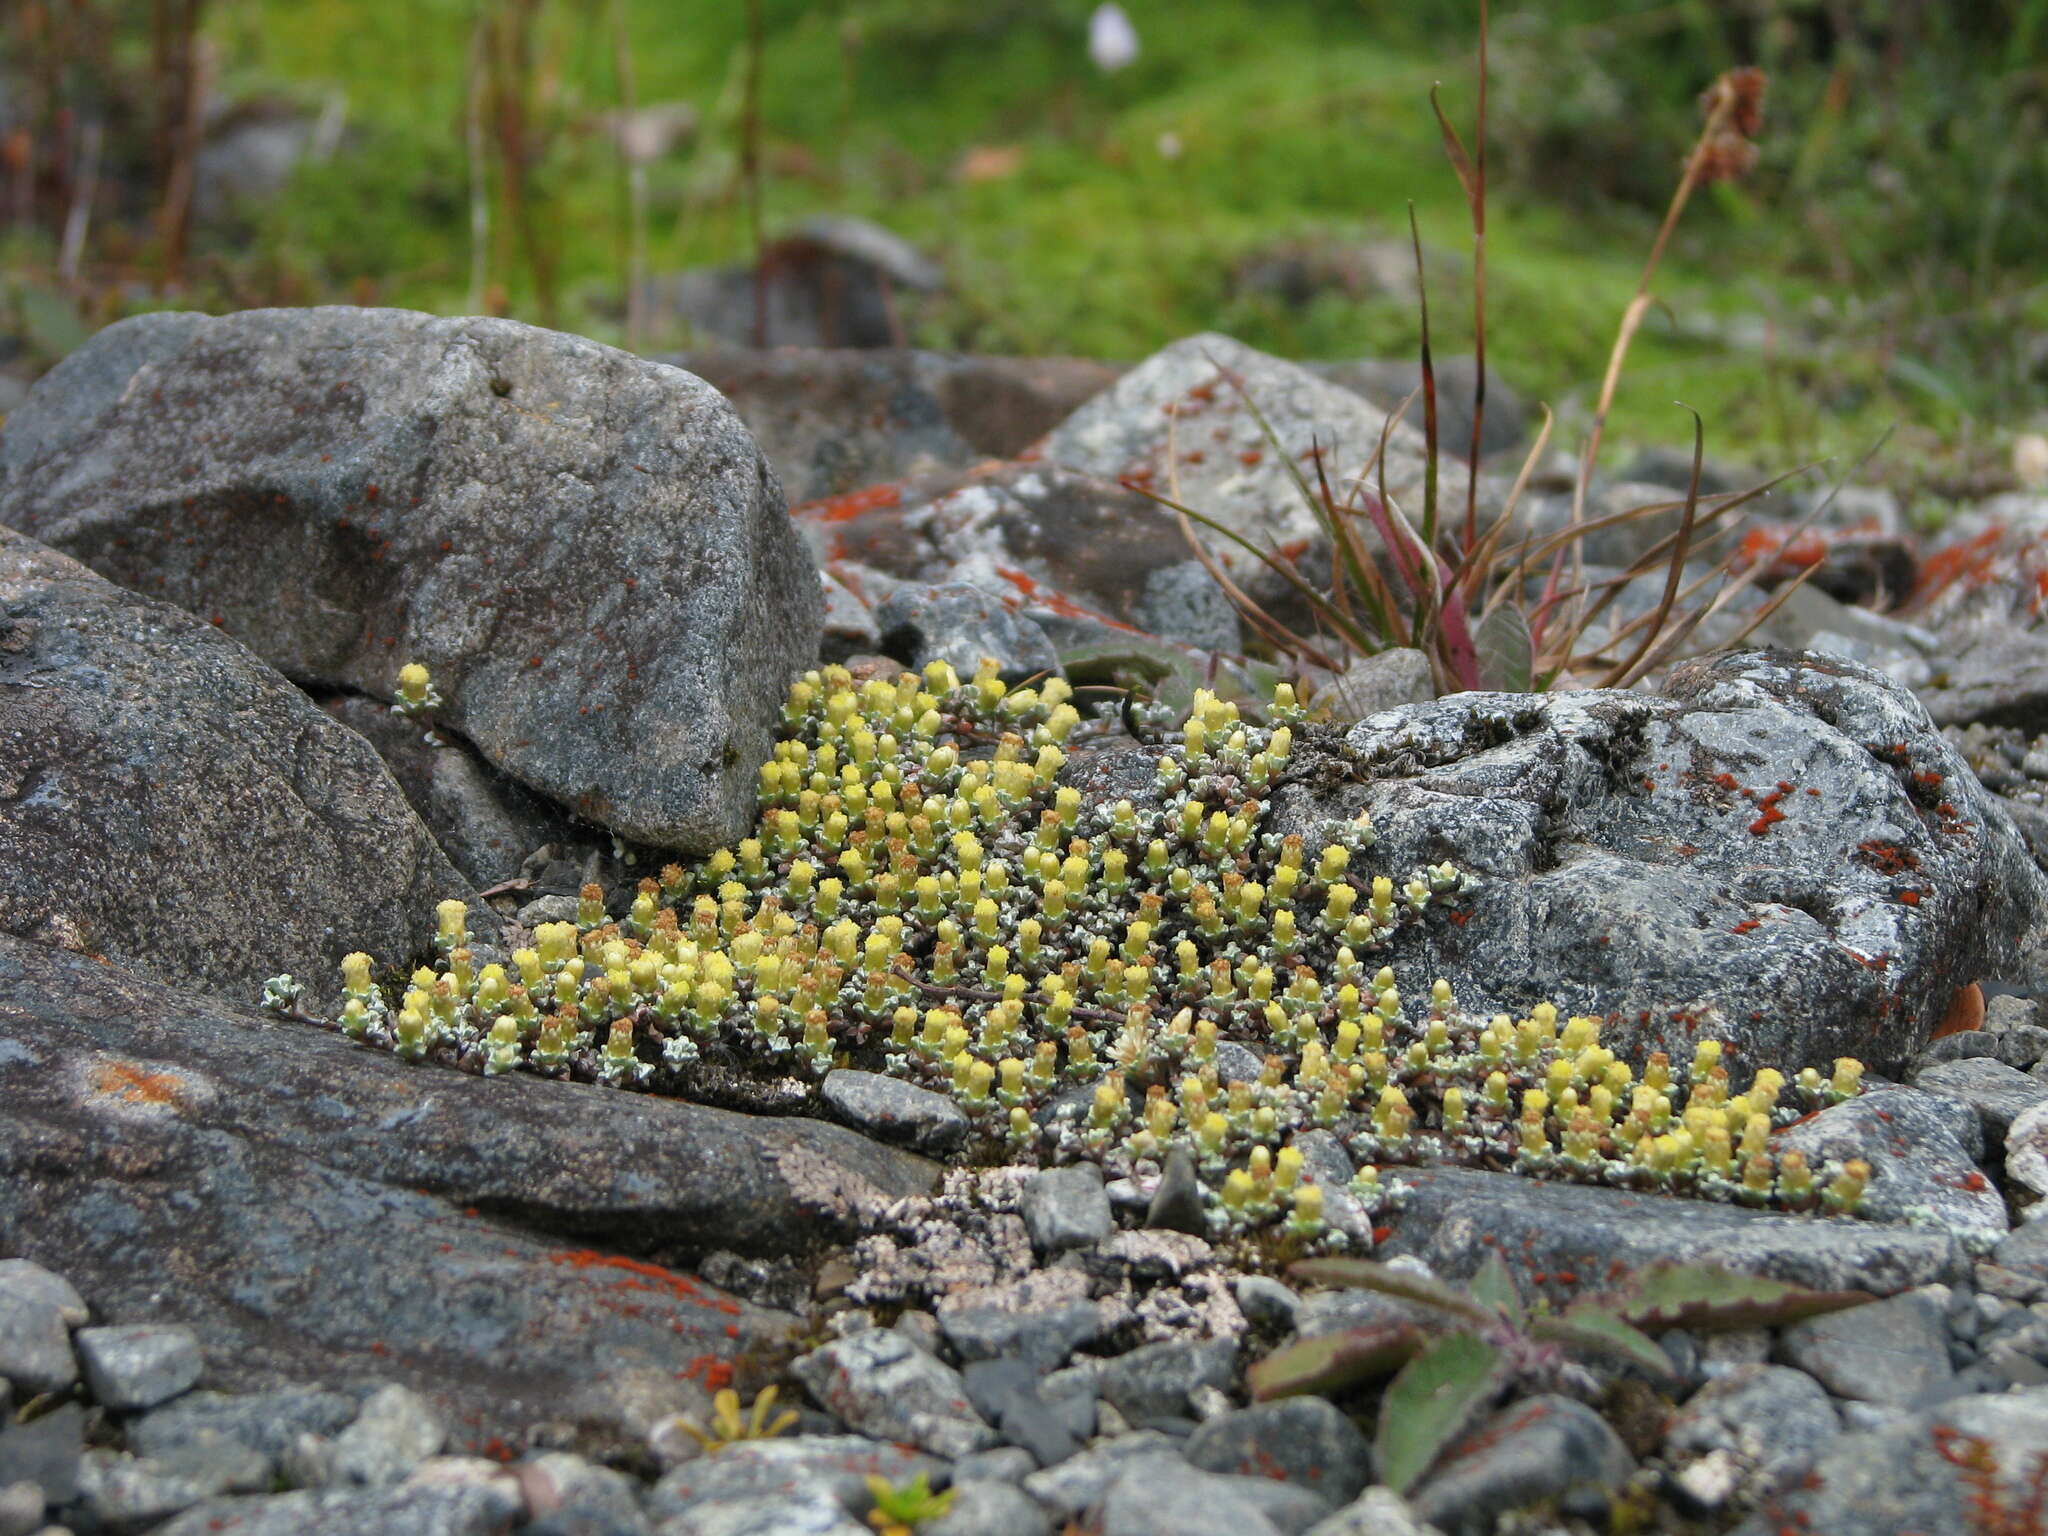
{"x":1493,"y":1286}
{"x":1430,"y":1404}
{"x":1672,"y":1295}
{"x":1333,"y":1361}
{"x":1592,"y":1331}
{"x":1366,"y":1274}
{"x":1507,"y":654}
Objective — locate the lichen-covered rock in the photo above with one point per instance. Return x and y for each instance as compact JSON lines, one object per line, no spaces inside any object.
{"x":1530,"y":1452}
{"x":170,"y":802}
{"x":1777,"y":851}
{"x":883,"y":1385}
{"x":586,"y":548}
{"x":314,"y":1210}
{"x":1182,"y":423}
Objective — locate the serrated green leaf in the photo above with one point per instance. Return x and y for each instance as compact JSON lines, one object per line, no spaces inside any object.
{"x":1366,"y":1274}
{"x":1673,"y":1295}
{"x":1494,"y":1287}
{"x":1602,"y":1333}
{"x":1507,"y":654}
{"x":1430,"y":1404}
{"x":1333,"y":1361}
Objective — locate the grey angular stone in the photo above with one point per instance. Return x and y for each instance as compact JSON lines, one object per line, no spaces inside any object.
{"x":142,"y":751}
{"x":1770,"y":1421}
{"x":1901,"y":1475}
{"x":473,"y":489}
{"x":1376,"y":1512}
{"x":1303,"y":1440}
{"x":1154,"y":1380}
{"x":1177,"y":1204}
{"x":1888,"y":1352}
{"x":839,"y":1465}
{"x":348,"y":1512}
{"x":2025,"y":1251}
{"x":1999,"y":1093}
{"x":117,"y":1492}
{"x":1536,"y":1450}
{"x":1994,"y":676}
{"x":880,"y":1384}
{"x":35,"y":1346}
{"x":893,"y":1110}
{"x":20,"y":1277}
{"x":1066,"y":1208}
{"x":1370,"y":684}
{"x":1079,"y":1483}
{"x":1266,"y":1302}
{"x":1044,"y":1429}
{"x":1183,"y":602}
{"x":396,"y":1430}
{"x":2026,"y":1150}
{"x":805,"y":1513}
{"x":1005,"y":1464}
{"x":2008,"y":1011}
{"x":989,"y":1384}
{"x":1042,"y":1337}
{"x":962,"y":625}
{"x":1455,"y":1217}
{"x":138,"y":1365}
{"x":1290,"y":1508}
{"x":21,"y":1509}
{"x":1921,"y":1169}
{"x":569,"y":1496}
{"x":1154,"y":1498}
{"x":45,"y":1451}
{"x":1656,"y":906}
{"x":989,"y":1509}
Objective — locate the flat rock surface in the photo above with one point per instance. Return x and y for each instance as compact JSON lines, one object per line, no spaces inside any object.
{"x":586,"y":548}
{"x":316,"y":1211}
{"x":170,"y":802}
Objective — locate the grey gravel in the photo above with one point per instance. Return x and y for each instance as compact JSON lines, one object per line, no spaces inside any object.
{"x":1376,"y":1512}
{"x":1156,"y":1498}
{"x":1541,"y":1448}
{"x":267,"y":1422}
{"x":45,"y":1451}
{"x":1079,"y":1483}
{"x":803,"y":1513}
{"x":21,"y":1509}
{"x":348,"y":1512}
{"x":982,"y":1508}
{"x":119,"y":1492}
{"x":1769,"y":1421}
{"x":755,"y":1469}
{"x":1154,"y":1380}
{"x":138,"y":1365}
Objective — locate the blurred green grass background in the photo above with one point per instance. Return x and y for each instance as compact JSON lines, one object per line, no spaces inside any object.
{"x":1882,"y":269}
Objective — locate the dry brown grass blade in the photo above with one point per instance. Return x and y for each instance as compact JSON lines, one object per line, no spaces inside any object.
{"x":1674,"y":571}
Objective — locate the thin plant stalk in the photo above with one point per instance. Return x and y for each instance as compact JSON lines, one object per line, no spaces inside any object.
{"x":636,"y":182}
{"x":1639,"y":305}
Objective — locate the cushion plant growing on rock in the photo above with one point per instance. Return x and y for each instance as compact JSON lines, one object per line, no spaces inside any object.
{"x":1106,"y":981}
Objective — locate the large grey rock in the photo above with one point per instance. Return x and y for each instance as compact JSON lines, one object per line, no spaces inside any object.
{"x":2000,"y":1094}
{"x":1573,"y":1235}
{"x":170,"y":802}
{"x":889,"y":1108}
{"x":1913,"y":1475}
{"x":1890,"y":1352}
{"x":1922,"y":1150}
{"x":586,"y":548}
{"x":1998,"y":676}
{"x":1178,"y":424}
{"x":1640,"y":861}
{"x":315,"y":1210}
{"x":834,"y":421}
{"x":964,"y":626}
{"x":1064,"y":545}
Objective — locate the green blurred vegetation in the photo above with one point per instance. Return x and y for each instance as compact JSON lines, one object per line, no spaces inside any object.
{"x":1881,"y":268}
